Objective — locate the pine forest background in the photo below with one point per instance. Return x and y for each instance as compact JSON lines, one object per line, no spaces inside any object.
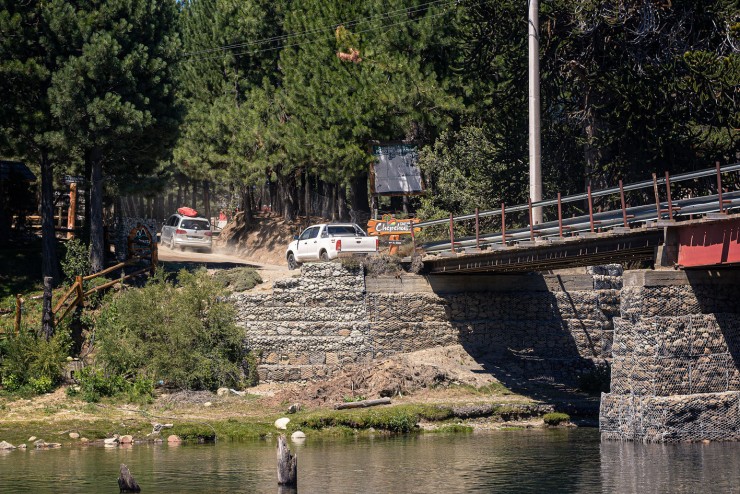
{"x":253,"y":103}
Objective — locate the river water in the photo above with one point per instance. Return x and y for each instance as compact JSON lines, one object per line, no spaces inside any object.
{"x":537,"y":461}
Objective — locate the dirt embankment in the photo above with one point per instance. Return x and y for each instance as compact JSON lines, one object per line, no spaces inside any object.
{"x":263,"y":240}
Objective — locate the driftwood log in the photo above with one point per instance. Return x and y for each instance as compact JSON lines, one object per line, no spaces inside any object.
{"x":364,"y":403}
{"x":287,"y":464}
{"x":126,"y":481}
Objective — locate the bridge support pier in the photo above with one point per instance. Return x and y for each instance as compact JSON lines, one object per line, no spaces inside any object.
{"x":676,"y":358}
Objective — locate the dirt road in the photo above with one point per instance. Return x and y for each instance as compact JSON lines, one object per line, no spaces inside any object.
{"x":219,"y":260}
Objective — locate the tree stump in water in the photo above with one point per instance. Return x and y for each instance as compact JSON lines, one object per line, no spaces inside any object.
{"x":126,"y":481}
{"x":287,"y":467}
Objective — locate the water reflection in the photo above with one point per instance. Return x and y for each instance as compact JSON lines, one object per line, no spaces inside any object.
{"x":675,"y":468}
{"x":553,"y":461}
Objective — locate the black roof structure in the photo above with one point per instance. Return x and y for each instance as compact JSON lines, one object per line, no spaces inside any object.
{"x":10,"y":169}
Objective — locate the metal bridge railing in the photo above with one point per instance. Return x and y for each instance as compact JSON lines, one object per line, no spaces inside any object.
{"x":623,"y":217}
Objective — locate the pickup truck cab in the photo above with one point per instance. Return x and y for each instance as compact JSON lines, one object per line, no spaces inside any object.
{"x":325,"y":241}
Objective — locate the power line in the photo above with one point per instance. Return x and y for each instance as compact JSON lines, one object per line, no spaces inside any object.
{"x":394,"y":13}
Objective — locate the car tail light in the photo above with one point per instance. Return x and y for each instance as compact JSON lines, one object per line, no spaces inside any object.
{"x":208,"y":233}
{"x":377,"y":244}
{"x":339,"y":246}
{"x":180,"y":232}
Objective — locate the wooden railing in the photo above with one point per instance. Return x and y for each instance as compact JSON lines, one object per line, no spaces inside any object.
{"x":76,"y":294}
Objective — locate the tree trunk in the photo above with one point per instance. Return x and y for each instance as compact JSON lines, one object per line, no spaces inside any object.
{"x":194,"y":204}
{"x":358,"y":190}
{"x":307,"y":197}
{"x":248,"y":205}
{"x":342,"y":202}
{"x":47,"y":316}
{"x":180,"y":196}
{"x":170,"y":205}
{"x":49,"y":262}
{"x":287,"y":464}
{"x":207,"y":199}
{"x":126,"y":481}
{"x":287,"y":195}
{"x":97,"y":254}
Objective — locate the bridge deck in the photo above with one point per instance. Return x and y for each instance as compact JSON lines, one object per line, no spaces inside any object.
{"x":588,"y":250}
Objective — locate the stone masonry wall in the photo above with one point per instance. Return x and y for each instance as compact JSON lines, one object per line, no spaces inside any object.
{"x":676,"y":363}
{"x":309,"y":325}
{"x":531,"y":326}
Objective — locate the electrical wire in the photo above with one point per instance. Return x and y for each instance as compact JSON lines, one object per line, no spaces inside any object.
{"x":392,"y":13}
{"x":264,"y":50}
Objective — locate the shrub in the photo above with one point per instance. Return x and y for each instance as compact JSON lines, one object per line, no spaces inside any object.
{"x":76,"y":261}
{"x":238,"y":279}
{"x":382,"y":265}
{"x":250,"y":361}
{"x":183,"y":335}
{"x":32,"y":364}
{"x":95,"y":384}
{"x":556,"y":418}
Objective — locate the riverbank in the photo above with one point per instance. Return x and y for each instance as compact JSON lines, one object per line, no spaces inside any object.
{"x":205,"y":416}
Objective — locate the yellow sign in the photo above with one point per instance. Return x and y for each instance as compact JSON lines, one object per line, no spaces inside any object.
{"x":388,"y":225}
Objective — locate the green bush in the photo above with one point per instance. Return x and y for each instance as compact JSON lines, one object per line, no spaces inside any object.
{"x":238,"y":279}
{"x":30,"y":364}
{"x":556,"y":418}
{"x":250,"y":362}
{"x":76,"y":260}
{"x":183,"y":335}
{"x":95,"y":384}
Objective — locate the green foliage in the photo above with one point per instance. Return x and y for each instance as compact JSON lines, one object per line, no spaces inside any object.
{"x":238,"y":279}
{"x":399,"y":419}
{"x":454,"y":429}
{"x":30,"y":364}
{"x":251,"y":359}
{"x":556,"y":418}
{"x":76,"y":261}
{"x":182,"y":335}
{"x":94,"y":384}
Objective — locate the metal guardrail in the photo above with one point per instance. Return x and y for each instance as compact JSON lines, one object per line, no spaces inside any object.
{"x":623,"y":217}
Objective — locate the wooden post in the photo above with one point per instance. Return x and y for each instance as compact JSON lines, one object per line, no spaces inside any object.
{"x":590,"y":208}
{"x":477,"y":230}
{"x":560,"y":216}
{"x":72,"y":211}
{"x":287,"y":464}
{"x":624,"y":205}
{"x":47,"y":316}
{"x":657,"y":197}
{"x":719,"y":189}
{"x":126,"y":481}
{"x":452,"y":234}
{"x":503,"y":224}
{"x":18,"y":309}
{"x":531,"y":227}
{"x":668,"y":195}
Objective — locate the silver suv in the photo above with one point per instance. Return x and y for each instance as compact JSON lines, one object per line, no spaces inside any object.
{"x":187,"y":231}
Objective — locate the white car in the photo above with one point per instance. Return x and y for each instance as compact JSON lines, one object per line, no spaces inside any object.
{"x":187,"y":231}
{"x":325,"y":241}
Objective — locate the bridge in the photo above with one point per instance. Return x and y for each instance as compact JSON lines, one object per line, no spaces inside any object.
{"x":682,"y":232}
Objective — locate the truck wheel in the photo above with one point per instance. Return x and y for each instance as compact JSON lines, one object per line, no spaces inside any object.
{"x":324,"y":256}
{"x":292,"y":263}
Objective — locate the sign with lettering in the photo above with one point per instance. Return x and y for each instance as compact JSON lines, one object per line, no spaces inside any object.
{"x":389,"y":225}
{"x":395,"y":170}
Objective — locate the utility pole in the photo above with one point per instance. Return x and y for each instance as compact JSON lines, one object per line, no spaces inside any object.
{"x":535,"y":149}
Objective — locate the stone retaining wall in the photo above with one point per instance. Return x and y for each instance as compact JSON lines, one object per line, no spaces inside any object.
{"x":676,"y":354}
{"x":547,"y":327}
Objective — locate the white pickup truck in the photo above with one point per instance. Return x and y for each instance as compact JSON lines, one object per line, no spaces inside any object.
{"x":325,"y":241}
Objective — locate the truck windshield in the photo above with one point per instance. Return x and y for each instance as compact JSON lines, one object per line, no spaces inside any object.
{"x":343,"y":231}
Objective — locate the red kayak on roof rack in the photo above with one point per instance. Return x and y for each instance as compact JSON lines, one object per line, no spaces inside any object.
{"x":185,"y":211}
